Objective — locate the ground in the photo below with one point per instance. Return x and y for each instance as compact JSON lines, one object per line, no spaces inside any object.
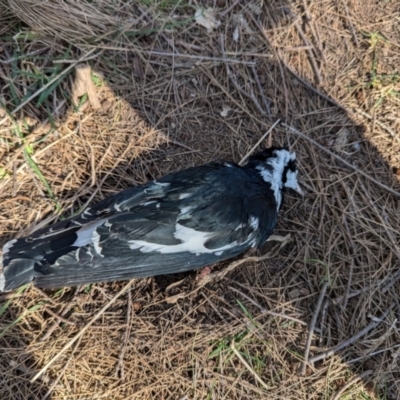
{"x":166,"y":93}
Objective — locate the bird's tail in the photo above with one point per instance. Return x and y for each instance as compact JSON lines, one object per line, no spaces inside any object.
{"x":16,"y":265}
{"x":17,"y":273}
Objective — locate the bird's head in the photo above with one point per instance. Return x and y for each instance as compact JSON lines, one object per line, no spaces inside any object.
{"x":277,"y":166}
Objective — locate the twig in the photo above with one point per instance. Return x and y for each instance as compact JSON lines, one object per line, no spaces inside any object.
{"x":230,"y":8}
{"x":353,"y":248}
{"x":390,"y":281}
{"x":352,"y":339}
{"x":303,"y":367}
{"x":266,"y":102}
{"x":192,"y":56}
{"x":21,"y":367}
{"x":322,"y":323}
{"x":354,"y":360}
{"x":244,"y":93}
{"x":250,"y":152}
{"x":276,"y":54}
{"x":150,"y":19}
{"x":379,"y":123}
{"x":315,"y":36}
{"x":9,"y":296}
{"x":348,"y":384}
{"x":83,"y":84}
{"x":265,"y":311}
{"x":60,"y":374}
{"x":55,"y":324}
{"x":60,"y":318}
{"x":352,"y":30}
{"x":383,"y":186}
{"x":235,"y":83}
{"x":206,"y":298}
{"x":248,"y":367}
{"x":176,"y":143}
{"x":315,"y":90}
{"x":44,"y":295}
{"x":82,"y":331}
{"x":384,"y":223}
{"x":120,"y":365}
{"x":214,"y":277}
{"x":307,"y":43}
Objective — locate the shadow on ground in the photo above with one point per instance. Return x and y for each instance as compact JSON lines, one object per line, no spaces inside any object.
{"x":176,"y":96}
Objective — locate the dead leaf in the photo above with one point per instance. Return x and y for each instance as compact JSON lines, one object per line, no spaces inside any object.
{"x":294,"y":294}
{"x":207,"y":19}
{"x":342,"y":139}
{"x":83,"y":84}
{"x":235,"y":35}
{"x":297,"y":293}
{"x":225,"y":111}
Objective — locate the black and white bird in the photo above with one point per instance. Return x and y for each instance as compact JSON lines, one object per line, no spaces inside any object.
{"x":180,"y":222}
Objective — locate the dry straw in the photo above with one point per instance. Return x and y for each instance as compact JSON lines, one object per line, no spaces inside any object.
{"x":171,"y":96}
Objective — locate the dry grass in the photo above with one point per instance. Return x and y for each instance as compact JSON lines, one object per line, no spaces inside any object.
{"x":329,"y":71}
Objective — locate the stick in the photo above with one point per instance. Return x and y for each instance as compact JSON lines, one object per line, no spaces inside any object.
{"x":230,"y":8}
{"x":383,"y":186}
{"x":190,"y":56}
{"x":265,"y":100}
{"x":251,"y":370}
{"x":352,"y":30}
{"x":82,"y":331}
{"x":351,"y":340}
{"x":354,"y":360}
{"x":379,"y":123}
{"x":215,"y":276}
{"x":249,"y":153}
{"x":315,"y":90}
{"x":55,"y":325}
{"x":276,"y":54}
{"x":60,"y":318}
{"x":309,"y":51}
{"x":315,"y":36}
{"x":384,"y":285}
{"x":120,"y":365}
{"x":348,"y":384}
{"x":28,"y":371}
{"x":303,"y":367}
{"x":237,"y":86}
{"x":265,"y":311}
{"x":60,"y":374}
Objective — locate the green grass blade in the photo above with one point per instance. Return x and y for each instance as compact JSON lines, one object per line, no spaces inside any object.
{"x":4,"y":307}
{"x":34,"y":167}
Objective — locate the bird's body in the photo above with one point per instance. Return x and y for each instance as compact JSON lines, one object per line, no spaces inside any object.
{"x":180,"y":222}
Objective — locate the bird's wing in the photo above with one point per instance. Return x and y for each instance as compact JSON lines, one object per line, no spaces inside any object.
{"x":181,"y":222}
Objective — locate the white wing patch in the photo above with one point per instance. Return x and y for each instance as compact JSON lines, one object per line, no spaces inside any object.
{"x":146,"y":203}
{"x":192,"y":241}
{"x":185,"y":211}
{"x":87,"y":235}
{"x":96,"y":243}
{"x":254,"y":222}
{"x":166,"y":184}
